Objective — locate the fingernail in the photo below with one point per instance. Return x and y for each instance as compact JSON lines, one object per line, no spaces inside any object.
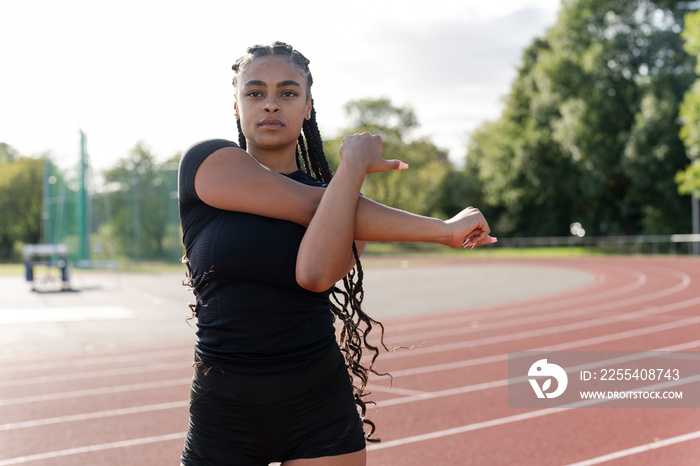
{"x":403,"y":165}
{"x":494,"y":239}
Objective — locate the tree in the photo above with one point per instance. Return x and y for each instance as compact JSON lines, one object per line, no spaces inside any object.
{"x":689,"y":179}
{"x":588,"y":131}
{"x":8,"y":153}
{"x":417,"y":189}
{"x":20,"y":200}
{"x":142,"y":205}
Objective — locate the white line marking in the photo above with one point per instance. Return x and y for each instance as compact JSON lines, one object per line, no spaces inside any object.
{"x":95,"y":415}
{"x":64,"y":314}
{"x":564,"y":346}
{"x":503,"y":382}
{"x":92,"y":448}
{"x":154,"y":367}
{"x":146,"y":355}
{"x":652,"y":311}
{"x":557,"y":313}
{"x":639,"y":449}
{"x":96,"y":391}
{"x":510,"y":419}
{"x":463,"y":429}
{"x":394,"y":390}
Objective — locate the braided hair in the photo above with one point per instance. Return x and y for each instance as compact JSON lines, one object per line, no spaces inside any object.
{"x":346,"y":304}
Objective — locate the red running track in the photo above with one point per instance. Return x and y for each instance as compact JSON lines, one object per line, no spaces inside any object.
{"x":447,"y":404}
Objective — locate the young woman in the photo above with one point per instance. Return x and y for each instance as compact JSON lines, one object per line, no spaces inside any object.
{"x":266,"y":242}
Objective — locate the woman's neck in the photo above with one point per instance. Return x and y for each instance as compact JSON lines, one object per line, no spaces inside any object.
{"x":280,"y":160}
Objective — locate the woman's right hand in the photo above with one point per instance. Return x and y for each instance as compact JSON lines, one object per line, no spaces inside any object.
{"x":468,"y":229}
{"x":366,"y":150}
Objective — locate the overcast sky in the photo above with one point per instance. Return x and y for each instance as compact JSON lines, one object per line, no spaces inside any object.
{"x":159,"y":71}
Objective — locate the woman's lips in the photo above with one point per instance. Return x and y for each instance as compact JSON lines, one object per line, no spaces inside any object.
{"x":270,"y":123}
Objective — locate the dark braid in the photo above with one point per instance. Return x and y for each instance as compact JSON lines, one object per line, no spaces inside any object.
{"x":346,"y":304}
{"x":302,"y":154}
{"x":241,"y":139}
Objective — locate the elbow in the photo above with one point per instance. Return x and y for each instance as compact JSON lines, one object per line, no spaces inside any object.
{"x":314,"y":281}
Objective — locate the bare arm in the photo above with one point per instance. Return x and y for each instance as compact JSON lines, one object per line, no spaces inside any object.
{"x":231,"y":179}
{"x":343,"y":216}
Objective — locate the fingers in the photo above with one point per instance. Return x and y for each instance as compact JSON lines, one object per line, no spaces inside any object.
{"x":470,"y":243}
{"x":398,"y":164}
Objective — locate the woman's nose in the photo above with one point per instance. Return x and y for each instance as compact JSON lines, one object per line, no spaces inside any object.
{"x":271,"y":107}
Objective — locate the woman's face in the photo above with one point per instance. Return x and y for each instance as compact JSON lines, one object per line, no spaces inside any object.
{"x":272,"y":101}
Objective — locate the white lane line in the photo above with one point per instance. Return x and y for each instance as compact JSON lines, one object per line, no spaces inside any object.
{"x":502,"y":382}
{"x":617,"y":318}
{"x":92,"y":448}
{"x":556,"y":314}
{"x":64,"y":314}
{"x":146,"y":356}
{"x":462,"y":429}
{"x":94,"y":415}
{"x":96,"y":391}
{"x":561,"y":347}
{"x":153,"y":367}
{"x":639,"y":449}
{"x":394,"y":390}
{"x":511,"y":419}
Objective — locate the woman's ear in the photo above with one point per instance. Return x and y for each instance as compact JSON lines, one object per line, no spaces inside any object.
{"x":309,"y":106}
{"x":235,"y":109}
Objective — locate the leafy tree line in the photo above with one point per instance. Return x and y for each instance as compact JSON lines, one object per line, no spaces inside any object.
{"x":590,"y":128}
{"x":689,"y":179}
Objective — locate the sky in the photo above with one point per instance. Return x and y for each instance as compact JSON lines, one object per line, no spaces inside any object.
{"x":159,"y":71}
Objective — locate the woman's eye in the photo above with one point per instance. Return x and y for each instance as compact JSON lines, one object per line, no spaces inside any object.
{"x":289,"y":94}
{"x":254,"y":94}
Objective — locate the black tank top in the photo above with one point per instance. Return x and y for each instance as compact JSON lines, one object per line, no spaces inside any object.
{"x":252,"y":316}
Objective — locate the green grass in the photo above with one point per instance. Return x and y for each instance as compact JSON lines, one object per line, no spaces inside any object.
{"x":377,"y":253}
{"x":11,"y":269}
{"x":434,"y":250}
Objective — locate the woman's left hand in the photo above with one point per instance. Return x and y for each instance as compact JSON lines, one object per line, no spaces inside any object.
{"x":468,"y":229}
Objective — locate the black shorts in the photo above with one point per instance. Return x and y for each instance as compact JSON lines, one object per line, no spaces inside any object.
{"x":256,"y":420}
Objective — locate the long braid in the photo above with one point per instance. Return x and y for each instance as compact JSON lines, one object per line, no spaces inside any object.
{"x":346,"y":304}
{"x":302,"y":154}
{"x":241,"y":139}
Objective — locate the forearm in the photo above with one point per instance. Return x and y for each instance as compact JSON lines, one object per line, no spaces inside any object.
{"x":325,"y":250}
{"x":377,"y":222}
{"x":342,"y":216}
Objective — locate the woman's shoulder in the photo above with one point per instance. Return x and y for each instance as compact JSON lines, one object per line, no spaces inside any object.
{"x":192,"y":159}
{"x":203,"y":149}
